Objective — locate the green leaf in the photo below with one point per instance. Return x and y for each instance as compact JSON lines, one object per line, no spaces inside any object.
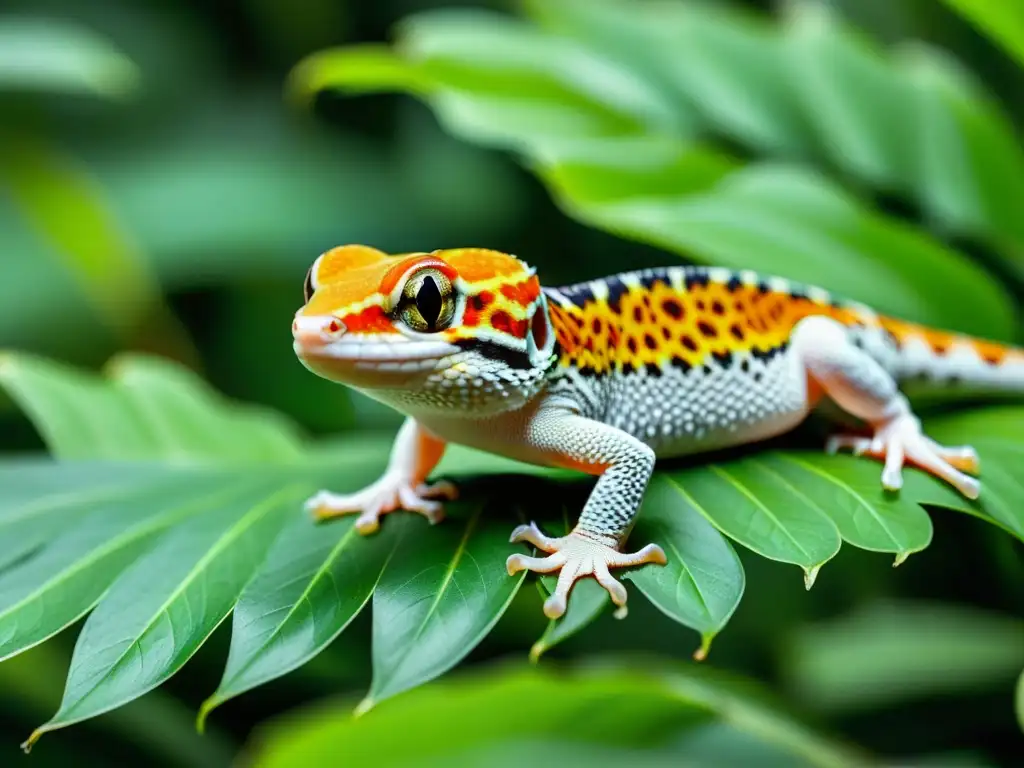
{"x":159,"y":611}
{"x":1003,"y":22}
{"x":148,"y":408}
{"x":606,"y":704}
{"x":56,"y":56}
{"x":724,"y":62}
{"x":473,"y":50}
{"x":588,"y":601}
{"x":969,"y":158}
{"x":53,"y":589}
{"x":596,"y":170}
{"x":801,"y":89}
{"x":794,"y":224}
{"x":756,"y":508}
{"x":850,"y":494}
{"x":889,"y":654}
{"x":313,"y":583}
{"x":849,"y":92}
{"x":357,"y":69}
{"x":438,"y":598}
{"x":703,"y":581}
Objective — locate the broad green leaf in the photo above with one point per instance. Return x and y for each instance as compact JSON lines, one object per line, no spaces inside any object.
{"x":766,"y":218}
{"x":852,"y":96}
{"x":159,"y":611}
{"x":888,"y":654}
{"x":594,"y":170}
{"x":313,"y":583}
{"x":60,"y":584}
{"x":1003,"y":22}
{"x":703,"y":581}
{"x":147,"y":408}
{"x":849,"y":492}
{"x":606,"y":704}
{"x":726,"y":63}
{"x":439,"y":596}
{"x":1001,"y":487}
{"x":757,"y":509}
{"x":473,"y":50}
{"x":39,"y":499}
{"x":54,"y":56}
{"x":970,"y":163}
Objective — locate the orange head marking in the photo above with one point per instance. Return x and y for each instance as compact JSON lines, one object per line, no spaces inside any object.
{"x":361,"y":303}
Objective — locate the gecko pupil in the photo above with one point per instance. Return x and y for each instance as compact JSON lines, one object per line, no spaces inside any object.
{"x":429,"y":302}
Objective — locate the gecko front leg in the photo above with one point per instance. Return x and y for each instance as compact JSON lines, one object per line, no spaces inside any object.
{"x":403,"y":485}
{"x":624,"y":465}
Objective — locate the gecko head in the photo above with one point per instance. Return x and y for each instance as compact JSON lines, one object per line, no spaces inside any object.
{"x":461,"y":329}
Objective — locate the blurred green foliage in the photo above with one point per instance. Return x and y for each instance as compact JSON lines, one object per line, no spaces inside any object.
{"x":167,"y":173}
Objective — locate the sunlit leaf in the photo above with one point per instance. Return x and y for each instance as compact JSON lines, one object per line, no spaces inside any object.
{"x":59,"y":57}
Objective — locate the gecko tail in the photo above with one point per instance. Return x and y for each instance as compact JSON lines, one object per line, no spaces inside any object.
{"x":943,"y":360}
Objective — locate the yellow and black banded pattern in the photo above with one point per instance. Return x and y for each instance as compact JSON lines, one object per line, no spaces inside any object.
{"x":683,"y":317}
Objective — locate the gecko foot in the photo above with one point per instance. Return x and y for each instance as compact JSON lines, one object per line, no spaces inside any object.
{"x":901,"y":441}
{"x":386,"y":495}
{"x":575,"y":556}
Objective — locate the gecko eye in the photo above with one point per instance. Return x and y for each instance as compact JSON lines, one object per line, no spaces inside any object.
{"x":428,"y":304}
{"x":307,"y":289}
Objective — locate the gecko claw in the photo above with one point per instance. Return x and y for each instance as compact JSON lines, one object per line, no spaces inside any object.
{"x":576,"y":556}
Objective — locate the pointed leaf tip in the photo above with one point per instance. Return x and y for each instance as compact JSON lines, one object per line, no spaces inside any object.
{"x":901,"y":558}
{"x":810,"y":576}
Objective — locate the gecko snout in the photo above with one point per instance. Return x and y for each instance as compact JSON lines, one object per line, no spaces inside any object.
{"x":317,"y":331}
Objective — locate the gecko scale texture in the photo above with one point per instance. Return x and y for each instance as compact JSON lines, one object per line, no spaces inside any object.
{"x":606,"y":375}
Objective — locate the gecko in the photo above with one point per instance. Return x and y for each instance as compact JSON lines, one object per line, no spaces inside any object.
{"x":608,"y":375}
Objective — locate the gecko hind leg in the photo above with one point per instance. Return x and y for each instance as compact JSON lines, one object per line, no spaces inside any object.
{"x":862,"y":387}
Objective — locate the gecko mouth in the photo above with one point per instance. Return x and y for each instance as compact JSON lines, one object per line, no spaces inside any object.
{"x":369,"y":359}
